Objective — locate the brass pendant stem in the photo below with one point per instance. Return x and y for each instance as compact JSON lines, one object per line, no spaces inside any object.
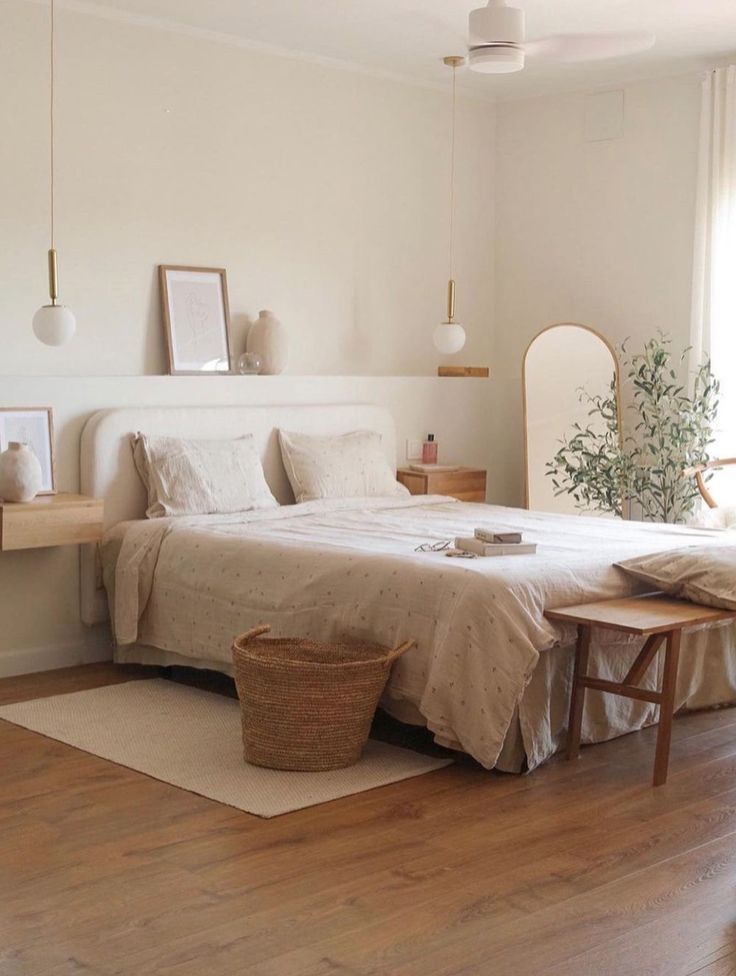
{"x":450,"y":300}
{"x":53,"y":277}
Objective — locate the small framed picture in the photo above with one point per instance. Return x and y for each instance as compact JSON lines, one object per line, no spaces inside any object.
{"x":197,"y":319}
{"x":33,"y":426}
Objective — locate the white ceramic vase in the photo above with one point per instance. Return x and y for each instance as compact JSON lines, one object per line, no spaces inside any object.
{"x":267,"y":338}
{"x":20,"y":473}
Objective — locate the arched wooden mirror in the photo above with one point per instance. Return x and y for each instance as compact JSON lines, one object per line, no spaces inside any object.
{"x":565,"y":366}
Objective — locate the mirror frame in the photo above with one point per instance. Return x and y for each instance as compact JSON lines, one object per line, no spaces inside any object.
{"x":617,"y":374}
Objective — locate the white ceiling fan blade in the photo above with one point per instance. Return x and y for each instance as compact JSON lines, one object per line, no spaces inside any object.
{"x":570,"y":48}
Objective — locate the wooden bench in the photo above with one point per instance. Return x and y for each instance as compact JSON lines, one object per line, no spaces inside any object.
{"x":661,"y":620}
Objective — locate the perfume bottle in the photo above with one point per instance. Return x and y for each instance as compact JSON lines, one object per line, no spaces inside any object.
{"x":429,"y":450}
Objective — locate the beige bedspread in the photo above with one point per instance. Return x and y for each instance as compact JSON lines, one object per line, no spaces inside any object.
{"x":349,"y":568}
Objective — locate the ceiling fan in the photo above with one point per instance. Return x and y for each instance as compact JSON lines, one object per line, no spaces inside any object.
{"x":497,"y":42}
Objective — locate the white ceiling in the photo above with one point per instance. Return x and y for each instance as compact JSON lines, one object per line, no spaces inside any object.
{"x":409,"y":37}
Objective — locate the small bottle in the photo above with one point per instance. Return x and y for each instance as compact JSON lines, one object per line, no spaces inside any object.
{"x":429,"y":450}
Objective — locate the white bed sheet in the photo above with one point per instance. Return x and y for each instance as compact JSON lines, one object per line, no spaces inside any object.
{"x":186,"y":586}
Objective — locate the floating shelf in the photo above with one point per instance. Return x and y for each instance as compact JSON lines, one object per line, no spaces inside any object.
{"x":479,"y":371}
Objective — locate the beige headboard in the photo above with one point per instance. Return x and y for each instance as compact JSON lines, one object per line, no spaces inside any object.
{"x":107,"y":469}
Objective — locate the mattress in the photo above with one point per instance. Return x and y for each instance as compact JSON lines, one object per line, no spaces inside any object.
{"x":490,"y":674}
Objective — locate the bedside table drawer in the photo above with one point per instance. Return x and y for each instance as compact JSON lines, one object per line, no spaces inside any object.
{"x":51,"y":520}
{"x":465,"y":484}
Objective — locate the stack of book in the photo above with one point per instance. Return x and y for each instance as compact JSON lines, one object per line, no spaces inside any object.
{"x":486,"y":542}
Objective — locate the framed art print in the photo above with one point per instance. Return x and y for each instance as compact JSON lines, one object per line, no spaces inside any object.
{"x":33,"y":426}
{"x":197,"y":319}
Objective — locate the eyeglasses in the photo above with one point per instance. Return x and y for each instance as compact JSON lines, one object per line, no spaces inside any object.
{"x":434,"y":546}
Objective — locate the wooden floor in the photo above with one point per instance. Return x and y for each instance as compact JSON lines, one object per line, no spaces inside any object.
{"x":581,"y":869}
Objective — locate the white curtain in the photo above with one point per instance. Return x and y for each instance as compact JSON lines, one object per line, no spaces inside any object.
{"x":714,"y":281}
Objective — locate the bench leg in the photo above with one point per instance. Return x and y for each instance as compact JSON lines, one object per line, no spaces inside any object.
{"x":667,"y":708}
{"x":577,"y":700}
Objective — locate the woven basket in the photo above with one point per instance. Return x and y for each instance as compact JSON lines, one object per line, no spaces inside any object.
{"x":305,"y":705}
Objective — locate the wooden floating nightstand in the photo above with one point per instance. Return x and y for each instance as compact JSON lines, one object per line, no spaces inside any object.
{"x":465,"y":484}
{"x":50,"y":520}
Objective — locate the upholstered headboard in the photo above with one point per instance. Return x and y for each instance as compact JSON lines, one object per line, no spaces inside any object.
{"x":107,"y":469}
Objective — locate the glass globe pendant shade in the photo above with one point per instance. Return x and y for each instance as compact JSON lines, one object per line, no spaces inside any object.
{"x":449,"y":337}
{"x":54,"y":325}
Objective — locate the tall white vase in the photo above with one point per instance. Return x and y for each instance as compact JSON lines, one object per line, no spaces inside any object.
{"x":20,"y":473}
{"x":268,"y":339}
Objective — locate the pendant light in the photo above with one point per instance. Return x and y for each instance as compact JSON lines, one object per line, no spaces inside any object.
{"x":54,"y":324}
{"x":449,"y":336}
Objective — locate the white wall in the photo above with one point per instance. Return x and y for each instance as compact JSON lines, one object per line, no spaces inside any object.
{"x":323,"y":192}
{"x":592,"y":232}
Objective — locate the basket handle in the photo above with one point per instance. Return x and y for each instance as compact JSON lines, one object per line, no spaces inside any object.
{"x":397,"y":653}
{"x":254,"y":632}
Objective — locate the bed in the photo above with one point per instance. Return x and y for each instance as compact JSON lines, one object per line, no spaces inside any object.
{"x":490,"y":675}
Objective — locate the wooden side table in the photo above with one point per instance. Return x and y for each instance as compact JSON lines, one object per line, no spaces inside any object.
{"x":654,"y":616}
{"x":50,"y":520}
{"x":465,"y":484}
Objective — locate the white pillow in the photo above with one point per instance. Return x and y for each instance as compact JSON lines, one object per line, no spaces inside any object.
{"x":186,"y":477}
{"x":340,"y":466}
{"x":703,"y":574}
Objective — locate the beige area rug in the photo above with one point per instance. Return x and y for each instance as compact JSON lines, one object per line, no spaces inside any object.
{"x":191,"y":739}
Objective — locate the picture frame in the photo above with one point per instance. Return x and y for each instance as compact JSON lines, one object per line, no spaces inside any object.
{"x":196,"y":315}
{"x":33,"y":426}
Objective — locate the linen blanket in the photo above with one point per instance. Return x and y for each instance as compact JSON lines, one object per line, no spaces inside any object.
{"x":349,"y":568}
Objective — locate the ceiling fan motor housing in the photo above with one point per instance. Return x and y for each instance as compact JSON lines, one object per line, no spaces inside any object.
{"x":496,"y":38}
{"x":496,"y":24}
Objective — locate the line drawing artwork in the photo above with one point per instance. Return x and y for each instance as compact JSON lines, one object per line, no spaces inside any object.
{"x":198,"y":322}
{"x":197,"y":335}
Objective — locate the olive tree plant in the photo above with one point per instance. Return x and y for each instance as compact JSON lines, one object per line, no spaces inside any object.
{"x":671,"y":429}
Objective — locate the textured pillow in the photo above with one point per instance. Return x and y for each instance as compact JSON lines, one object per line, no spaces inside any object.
{"x":703,"y":574}
{"x":341,"y":466}
{"x":185,"y":477}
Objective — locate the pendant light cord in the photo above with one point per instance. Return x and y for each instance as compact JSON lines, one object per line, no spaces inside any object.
{"x":452,"y":171}
{"x":51,"y":124}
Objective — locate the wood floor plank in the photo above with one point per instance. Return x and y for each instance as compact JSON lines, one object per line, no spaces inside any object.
{"x":695,"y":940}
{"x":580,"y":868}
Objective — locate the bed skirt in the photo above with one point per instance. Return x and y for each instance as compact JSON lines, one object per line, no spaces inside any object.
{"x":707,"y":679}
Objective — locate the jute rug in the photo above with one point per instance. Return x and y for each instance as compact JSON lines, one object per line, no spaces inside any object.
{"x":191,"y":739}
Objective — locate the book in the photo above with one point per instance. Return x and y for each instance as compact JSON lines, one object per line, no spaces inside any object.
{"x":495,"y":548}
{"x":429,"y":468}
{"x":488,"y":535}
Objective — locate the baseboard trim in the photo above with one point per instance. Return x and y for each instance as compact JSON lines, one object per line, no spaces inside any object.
{"x":30,"y":660}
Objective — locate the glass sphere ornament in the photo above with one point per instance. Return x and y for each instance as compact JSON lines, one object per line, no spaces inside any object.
{"x":249,"y":364}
